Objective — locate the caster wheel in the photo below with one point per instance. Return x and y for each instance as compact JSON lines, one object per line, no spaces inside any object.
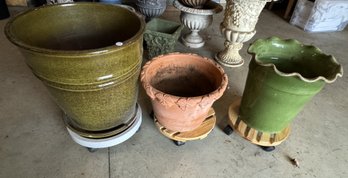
{"x":228,"y":130}
{"x":178,"y":143}
{"x":92,"y":150}
{"x":152,"y":114}
{"x":268,"y":148}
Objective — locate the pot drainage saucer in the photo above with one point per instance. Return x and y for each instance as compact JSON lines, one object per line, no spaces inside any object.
{"x":201,"y":132}
{"x":92,"y":144}
{"x":100,"y":134}
{"x":251,"y":134}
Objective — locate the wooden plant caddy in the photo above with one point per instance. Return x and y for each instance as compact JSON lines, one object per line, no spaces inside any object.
{"x":180,"y":138}
{"x":266,"y":141}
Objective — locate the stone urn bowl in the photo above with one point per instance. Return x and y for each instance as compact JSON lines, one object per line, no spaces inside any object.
{"x":93,"y":81}
{"x":151,"y":8}
{"x":194,"y":3}
{"x":283,"y":76}
{"x":182,"y":88}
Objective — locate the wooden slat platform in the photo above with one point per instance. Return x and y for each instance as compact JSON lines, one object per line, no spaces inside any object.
{"x":201,"y":132}
{"x":250,"y":134}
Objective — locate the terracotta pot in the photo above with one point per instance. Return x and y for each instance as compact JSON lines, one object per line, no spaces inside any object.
{"x":283,"y":76}
{"x":94,"y":81}
{"x":182,"y":87}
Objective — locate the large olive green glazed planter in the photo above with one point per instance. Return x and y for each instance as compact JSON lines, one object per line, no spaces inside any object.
{"x":94,"y":81}
{"x":283,"y":76}
{"x":161,"y":36}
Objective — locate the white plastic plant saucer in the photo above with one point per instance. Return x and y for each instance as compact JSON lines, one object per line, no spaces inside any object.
{"x":110,"y":141}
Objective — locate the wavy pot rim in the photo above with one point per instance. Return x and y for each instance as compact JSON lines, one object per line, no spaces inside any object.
{"x":95,"y":51}
{"x":315,"y":49}
{"x":155,"y":92}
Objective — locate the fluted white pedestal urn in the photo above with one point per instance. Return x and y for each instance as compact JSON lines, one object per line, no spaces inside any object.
{"x":238,"y":26}
{"x":196,"y":19}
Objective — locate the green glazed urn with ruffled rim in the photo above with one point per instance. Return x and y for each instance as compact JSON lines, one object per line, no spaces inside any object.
{"x":283,"y":76}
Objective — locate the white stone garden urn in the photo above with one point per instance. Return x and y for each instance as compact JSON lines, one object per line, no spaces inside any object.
{"x":196,"y":19}
{"x":238,"y":26}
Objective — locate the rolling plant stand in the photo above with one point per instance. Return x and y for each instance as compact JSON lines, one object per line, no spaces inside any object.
{"x":93,"y":144}
{"x":180,"y":138}
{"x":266,"y":141}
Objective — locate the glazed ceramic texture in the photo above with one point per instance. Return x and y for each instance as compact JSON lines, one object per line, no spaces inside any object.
{"x":182,"y":88}
{"x":94,"y":81}
{"x":283,"y":76}
{"x":161,"y":36}
{"x":151,"y":8}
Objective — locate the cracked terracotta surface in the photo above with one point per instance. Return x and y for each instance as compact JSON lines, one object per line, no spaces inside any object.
{"x":182,"y":88}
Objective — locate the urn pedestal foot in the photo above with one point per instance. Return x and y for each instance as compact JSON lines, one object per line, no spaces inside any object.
{"x":230,"y":56}
{"x":193,"y":40}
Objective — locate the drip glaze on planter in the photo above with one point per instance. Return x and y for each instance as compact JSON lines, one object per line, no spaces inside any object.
{"x":92,"y":80}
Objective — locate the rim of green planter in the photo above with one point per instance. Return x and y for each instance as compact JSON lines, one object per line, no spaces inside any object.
{"x":259,"y":47}
{"x":83,"y":52}
{"x":175,"y":34}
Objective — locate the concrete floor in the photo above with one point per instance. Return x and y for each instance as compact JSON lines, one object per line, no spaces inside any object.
{"x":35,"y":143}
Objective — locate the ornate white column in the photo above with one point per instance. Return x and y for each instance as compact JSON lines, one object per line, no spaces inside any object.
{"x":238,"y":26}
